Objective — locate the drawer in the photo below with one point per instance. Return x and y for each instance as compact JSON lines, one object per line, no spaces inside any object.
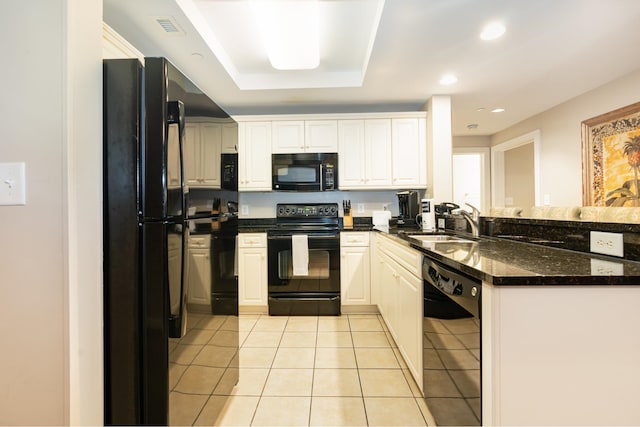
{"x":252,"y":240}
{"x":354,"y":238}
{"x":202,"y":242}
{"x":407,"y":257}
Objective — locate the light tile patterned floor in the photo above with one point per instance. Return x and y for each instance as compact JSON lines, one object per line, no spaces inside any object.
{"x":294,"y":371}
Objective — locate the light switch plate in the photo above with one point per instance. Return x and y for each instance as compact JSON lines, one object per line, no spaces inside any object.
{"x":607,"y":243}
{"x":12,"y":184}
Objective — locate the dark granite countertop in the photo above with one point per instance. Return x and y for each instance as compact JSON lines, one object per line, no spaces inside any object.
{"x":504,"y":262}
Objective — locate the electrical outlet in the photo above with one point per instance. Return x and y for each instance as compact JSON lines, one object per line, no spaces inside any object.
{"x":607,"y":243}
{"x":385,"y":206}
{"x":360,"y":207}
{"x":601,"y":267}
{"x":244,"y":209}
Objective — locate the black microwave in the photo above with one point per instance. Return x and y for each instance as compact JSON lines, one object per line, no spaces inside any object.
{"x":305,"y":171}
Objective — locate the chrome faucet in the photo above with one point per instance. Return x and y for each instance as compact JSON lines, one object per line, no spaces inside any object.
{"x":472,"y":218}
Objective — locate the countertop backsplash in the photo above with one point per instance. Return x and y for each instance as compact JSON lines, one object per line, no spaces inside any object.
{"x":571,"y":235}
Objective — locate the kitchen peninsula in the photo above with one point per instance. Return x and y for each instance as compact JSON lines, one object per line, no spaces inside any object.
{"x":559,"y":331}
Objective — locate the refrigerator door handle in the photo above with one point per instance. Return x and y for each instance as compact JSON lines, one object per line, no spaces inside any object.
{"x":175,"y":116}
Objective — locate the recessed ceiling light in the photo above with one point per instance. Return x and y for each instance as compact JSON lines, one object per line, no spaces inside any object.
{"x":448,"y":79}
{"x":492,"y":31}
{"x":197,"y":55}
{"x":497,"y":110}
{"x":472,"y":126}
{"x":480,"y":109}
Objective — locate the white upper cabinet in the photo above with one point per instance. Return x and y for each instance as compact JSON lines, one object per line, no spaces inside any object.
{"x":364,"y":153}
{"x":409,"y":153}
{"x":288,"y":136}
{"x":382,"y":153}
{"x":202,"y":146}
{"x":321,"y":136}
{"x":304,"y":136}
{"x":230,"y":138}
{"x":254,"y":156}
{"x":378,"y":143}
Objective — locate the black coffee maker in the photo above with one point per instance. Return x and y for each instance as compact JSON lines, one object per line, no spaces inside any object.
{"x":408,"y":208}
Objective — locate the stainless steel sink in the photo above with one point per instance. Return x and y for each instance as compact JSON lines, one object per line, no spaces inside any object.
{"x":439,"y":238}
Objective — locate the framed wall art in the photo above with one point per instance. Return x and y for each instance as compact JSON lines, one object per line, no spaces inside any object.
{"x":611,"y":158}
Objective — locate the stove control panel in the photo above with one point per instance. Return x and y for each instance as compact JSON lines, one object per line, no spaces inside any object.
{"x":314,"y":210}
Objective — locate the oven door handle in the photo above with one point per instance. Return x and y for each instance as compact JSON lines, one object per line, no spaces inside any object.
{"x":311,"y":237}
{"x":298,"y":298}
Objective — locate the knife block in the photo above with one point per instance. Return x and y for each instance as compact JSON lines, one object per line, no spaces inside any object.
{"x":347,"y":221}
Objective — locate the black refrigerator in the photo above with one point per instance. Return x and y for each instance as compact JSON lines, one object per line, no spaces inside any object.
{"x":146,"y":232}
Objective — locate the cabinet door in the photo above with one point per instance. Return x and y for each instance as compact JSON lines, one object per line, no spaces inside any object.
{"x":211,"y":143}
{"x":377,"y":134}
{"x":409,"y":153}
{"x":288,"y":136}
{"x":191,"y":154}
{"x":254,"y":156}
{"x":351,"y":148}
{"x":409,"y":323}
{"x":388,"y":293}
{"x":230,"y":138}
{"x":321,"y":136}
{"x":252,"y":276}
{"x":354,"y":275}
{"x":199,"y":288}
{"x":376,"y":268}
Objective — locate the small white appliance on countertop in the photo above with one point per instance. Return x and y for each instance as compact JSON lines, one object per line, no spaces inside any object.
{"x":428,"y":214}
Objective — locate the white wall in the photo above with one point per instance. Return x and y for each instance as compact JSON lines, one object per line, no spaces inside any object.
{"x":519,"y":181}
{"x":560,"y":126}
{"x":50,"y":271}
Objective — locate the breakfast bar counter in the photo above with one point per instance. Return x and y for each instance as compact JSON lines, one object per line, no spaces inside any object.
{"x":503,"y":262}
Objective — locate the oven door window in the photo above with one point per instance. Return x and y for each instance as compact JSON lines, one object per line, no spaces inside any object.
{"x":319,"y":265}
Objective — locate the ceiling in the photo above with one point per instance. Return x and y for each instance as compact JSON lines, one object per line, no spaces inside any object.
{"x":552,"y":51}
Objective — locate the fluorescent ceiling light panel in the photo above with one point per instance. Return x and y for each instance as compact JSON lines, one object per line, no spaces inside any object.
{"x":346,"y":34}
{"x":492,"y":31}
{"x":448,"y":79}
{"x":289,"y":30}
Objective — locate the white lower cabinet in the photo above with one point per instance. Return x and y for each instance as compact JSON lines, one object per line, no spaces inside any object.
{"x":399,"y":288}
{"x":354,"y":268}
{"x":199,"y":277}
{"x":252,"y":269}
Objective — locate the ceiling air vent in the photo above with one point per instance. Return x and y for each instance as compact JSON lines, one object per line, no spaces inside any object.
{"x":169,"y":25}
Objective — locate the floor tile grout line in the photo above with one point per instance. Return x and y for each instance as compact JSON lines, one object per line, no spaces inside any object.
{"x":364,"y":404}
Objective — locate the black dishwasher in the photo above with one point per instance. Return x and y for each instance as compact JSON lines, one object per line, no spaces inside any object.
{"x":452,"y":345}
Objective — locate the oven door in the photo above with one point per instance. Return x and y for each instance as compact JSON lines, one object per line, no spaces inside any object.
{"x":318,"y":292}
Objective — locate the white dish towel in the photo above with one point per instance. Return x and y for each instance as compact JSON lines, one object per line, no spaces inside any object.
{"x":300,"y":254}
